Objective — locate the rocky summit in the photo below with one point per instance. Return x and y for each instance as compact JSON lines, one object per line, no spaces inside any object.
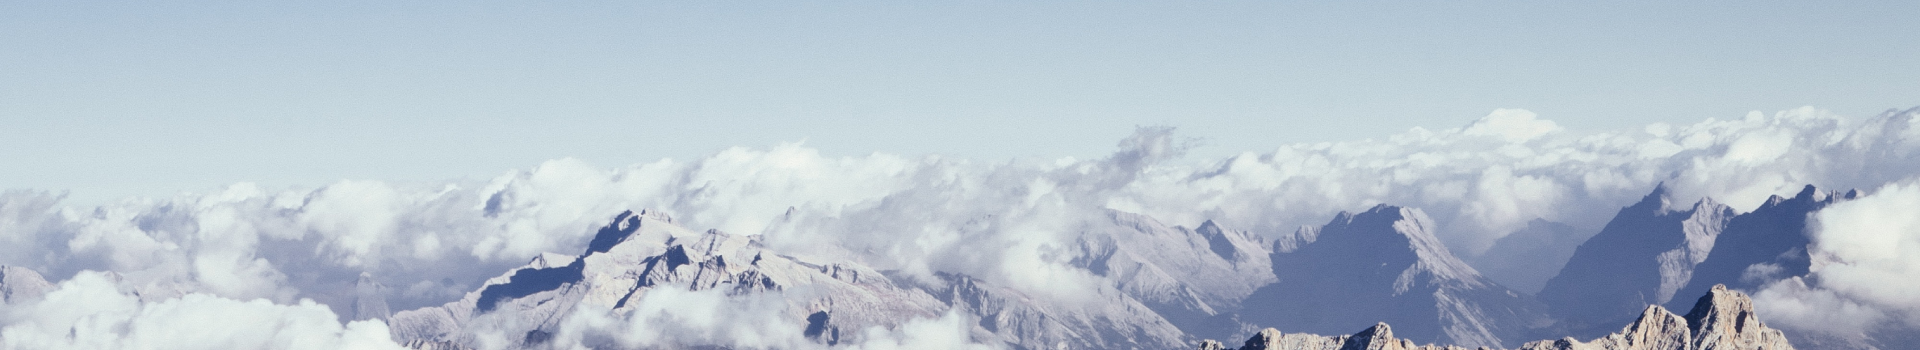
{"x":1723,"y":319}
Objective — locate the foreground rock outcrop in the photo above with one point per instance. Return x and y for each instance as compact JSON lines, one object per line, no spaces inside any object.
{"x":1721,"y":320}
{"x":1643,"y":256}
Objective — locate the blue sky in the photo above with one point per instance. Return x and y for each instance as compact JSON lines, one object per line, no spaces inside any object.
{"x":111,"y":99}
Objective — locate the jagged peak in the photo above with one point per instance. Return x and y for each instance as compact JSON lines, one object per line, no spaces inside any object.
{"x":1660,"y":199}
{"x":1724,"y":319}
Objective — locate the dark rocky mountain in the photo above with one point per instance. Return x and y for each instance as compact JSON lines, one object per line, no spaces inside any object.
{"x":1763,"y":246}
{"x":1384,"y":265}
{"x":1642,"y":257}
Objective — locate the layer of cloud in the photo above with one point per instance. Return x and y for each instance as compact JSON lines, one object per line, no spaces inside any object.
{"x":1866,"y":265}
{"x":1006,"y":222}
{"x":91,"y":311}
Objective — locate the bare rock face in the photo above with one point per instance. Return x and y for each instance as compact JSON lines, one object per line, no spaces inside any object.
{"x":1378,"y":337}
{"x":1724,"y":319}
{"x":1721,"y":320}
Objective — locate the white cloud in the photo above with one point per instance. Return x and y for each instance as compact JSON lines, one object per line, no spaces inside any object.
{"x":1005,"y":222}
{"x":89,"y":311}
{"x":1866,"y":265}
{"x":1512,"y":125}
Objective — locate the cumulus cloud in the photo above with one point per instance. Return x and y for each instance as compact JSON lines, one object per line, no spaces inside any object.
{"x":91,"y":311}
{"x":1006,"y":222}
{"x":1866,"y":265}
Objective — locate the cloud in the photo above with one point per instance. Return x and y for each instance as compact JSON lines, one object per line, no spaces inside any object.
{"x":1005,"y":222}
{"x":1512,"y":125}
{"x":1866,"y":265}
{"x":90,"y":311}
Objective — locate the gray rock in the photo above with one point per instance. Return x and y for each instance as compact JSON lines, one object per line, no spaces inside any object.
{"x":1721,"y":320}
{"x":1642,"y":257}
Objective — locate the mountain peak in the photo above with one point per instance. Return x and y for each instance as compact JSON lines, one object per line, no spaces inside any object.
{"x":1723,"y":319}
{"x":1645,"y":255}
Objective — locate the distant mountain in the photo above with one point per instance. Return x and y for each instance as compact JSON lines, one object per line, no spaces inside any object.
{"x":1194,"y":278}
{"x":1763,"y":246}
{"x":640,"y":252}
{"x":1384,"y":265}
{"x":1642,"y":257}
{"x":20,"y":283}
{"x":1525,"y":259}
{"x":1722,"y":319}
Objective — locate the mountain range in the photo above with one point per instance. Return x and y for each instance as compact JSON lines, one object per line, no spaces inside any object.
{"x":1160,"y":286}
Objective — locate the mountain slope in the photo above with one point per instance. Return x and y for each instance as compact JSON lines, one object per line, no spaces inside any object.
{"x":1385,"y":265}
{"x":1194,"y":278}
{"x":1642,"y":257}
{"x":1765,"y":245}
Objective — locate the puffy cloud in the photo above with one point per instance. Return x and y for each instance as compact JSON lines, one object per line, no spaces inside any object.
{"x":1006,"y":222}
{"x":1512,"y":125}
{"x":1866,"y":265}
{"x":89,"y":311}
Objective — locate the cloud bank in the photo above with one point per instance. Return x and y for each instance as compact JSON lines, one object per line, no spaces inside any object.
{"x":89,"y":311}
{"x":1866,"y":265}
{"x":1003,"y":221}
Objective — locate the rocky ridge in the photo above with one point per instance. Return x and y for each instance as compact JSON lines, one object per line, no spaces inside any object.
{"x":1723,"y":319}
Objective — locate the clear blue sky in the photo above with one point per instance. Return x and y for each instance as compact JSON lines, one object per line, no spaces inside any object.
{"x":111,"y":99}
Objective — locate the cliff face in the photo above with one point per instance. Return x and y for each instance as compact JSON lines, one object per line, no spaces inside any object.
{"x":1721,"y":320}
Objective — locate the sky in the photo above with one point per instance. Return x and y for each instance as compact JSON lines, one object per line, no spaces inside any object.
{"x":113,"y":99}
